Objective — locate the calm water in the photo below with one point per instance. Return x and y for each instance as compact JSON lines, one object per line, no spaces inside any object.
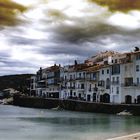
{"x":18,"y":123}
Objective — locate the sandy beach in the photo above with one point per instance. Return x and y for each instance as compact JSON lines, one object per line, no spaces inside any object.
{"x":135,"y":136}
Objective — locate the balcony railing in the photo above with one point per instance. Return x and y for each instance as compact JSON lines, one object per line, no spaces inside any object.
{"x":81,"y":88}
{"x":41,"y":86}
{"x":80,"y":78}
{"x":90,"y":89}
{"x":91,"y":79}
{"x":130,"y":85}
{"x":71,"y":79}
{"x":72,"y":87}
{"x":115,"y":82}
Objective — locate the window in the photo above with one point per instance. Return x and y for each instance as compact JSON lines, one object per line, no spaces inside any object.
{"x":112,"y":61}
{"x":106,"y":62}
{"x":117,"y":90}
{"x":94,"y":76}
{"x":102,"y":71}
{"x":107,"y":71}
{"x":70,"y":77}
{"x":138,"y":81}
{"x":107,"y":83}
{"x":125,"y":68}
{"x":74,"y":84}
{"x":101,"y":83}
{"x":138,"y":57}
{"x":115,"y":69}
{"x":113,"y":79}
{"x":117,"y":80}
{"x":129,"y":81}
{"x":137,"y":68}
{"x":90,"y":87}
{"x":82,"y":86}
{"x":115,"y":60}
{"x":84,"y":74}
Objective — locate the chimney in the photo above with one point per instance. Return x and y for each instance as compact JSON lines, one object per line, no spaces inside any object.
{"x":75,"y":62}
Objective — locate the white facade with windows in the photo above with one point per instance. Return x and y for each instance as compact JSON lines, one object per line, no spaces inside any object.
{"x":110,"y":78}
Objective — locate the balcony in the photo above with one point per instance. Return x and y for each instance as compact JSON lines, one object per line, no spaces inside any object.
{"x":130,"y":85}
{"x":81,"y":88}
{"x":95,"y":89}
{"x":80,"y":78}
{"x":53,"y":84}
{"x":41,"y":86}
{"x":71,"y":79}
{"x":101,"y":83}
{"x":72,"y":87}
{"x":60,"y":80}
{"x":115,"y":82}
{"x":91,"y":79}
{"x":90,"y":89}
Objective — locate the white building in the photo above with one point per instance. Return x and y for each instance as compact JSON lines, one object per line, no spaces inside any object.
{"x":109,"y":77}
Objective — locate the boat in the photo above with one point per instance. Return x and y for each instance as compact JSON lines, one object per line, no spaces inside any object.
{"x":57,"y":108}
{"x":125,"y":113}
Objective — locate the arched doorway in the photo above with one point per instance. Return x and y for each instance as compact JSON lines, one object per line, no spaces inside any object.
{"x":88,"y":97}
{"x":106,"y":98}
{"x":94,"y":97}
{"x":138,"y":99}
{"x":128,"y":99}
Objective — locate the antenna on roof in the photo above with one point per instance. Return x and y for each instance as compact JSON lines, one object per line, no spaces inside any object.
{"x":136,"y":49}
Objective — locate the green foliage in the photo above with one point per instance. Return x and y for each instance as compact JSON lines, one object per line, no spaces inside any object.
{"x":18,"y":82}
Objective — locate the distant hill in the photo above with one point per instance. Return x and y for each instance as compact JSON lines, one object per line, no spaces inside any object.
{"x":18,"y":82}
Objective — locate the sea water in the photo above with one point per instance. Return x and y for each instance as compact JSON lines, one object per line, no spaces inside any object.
{"x":17,"y":123}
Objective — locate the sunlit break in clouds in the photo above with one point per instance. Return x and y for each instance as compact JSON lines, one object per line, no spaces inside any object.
{"x":43,"y":32}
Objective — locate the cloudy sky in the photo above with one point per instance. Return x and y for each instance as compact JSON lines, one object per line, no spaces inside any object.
{"x":36,"y":33}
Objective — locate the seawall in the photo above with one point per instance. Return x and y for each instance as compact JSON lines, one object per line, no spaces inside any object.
{"x":35,"y":102}
{"x":74,"y":105}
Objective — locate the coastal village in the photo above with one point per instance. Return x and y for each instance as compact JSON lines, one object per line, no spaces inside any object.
{"x":108,"y":77}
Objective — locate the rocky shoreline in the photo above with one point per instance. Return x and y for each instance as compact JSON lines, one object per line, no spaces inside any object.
{"x":7,"y":101}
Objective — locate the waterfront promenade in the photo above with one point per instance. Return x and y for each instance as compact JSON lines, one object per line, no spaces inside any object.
{"x":135,"y":136}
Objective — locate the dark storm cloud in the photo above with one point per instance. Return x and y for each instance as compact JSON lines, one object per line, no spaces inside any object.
{"x":9,"y":11}
{"x":119,"y":5}
{"x":9,"y":66}
{"x":65,"y":48}
{"x":86,"y":29}
{"x":63,"y":37}
{"x":18,"y":40}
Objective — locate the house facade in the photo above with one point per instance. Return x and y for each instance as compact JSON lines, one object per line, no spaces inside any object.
{"x":109,"y":77}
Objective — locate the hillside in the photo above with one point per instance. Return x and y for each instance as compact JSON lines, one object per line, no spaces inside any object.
{"x":18,"y":82}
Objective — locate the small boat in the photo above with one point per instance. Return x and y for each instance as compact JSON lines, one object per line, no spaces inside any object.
{"x":125,"y":113}
{"x":57,"y":108}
